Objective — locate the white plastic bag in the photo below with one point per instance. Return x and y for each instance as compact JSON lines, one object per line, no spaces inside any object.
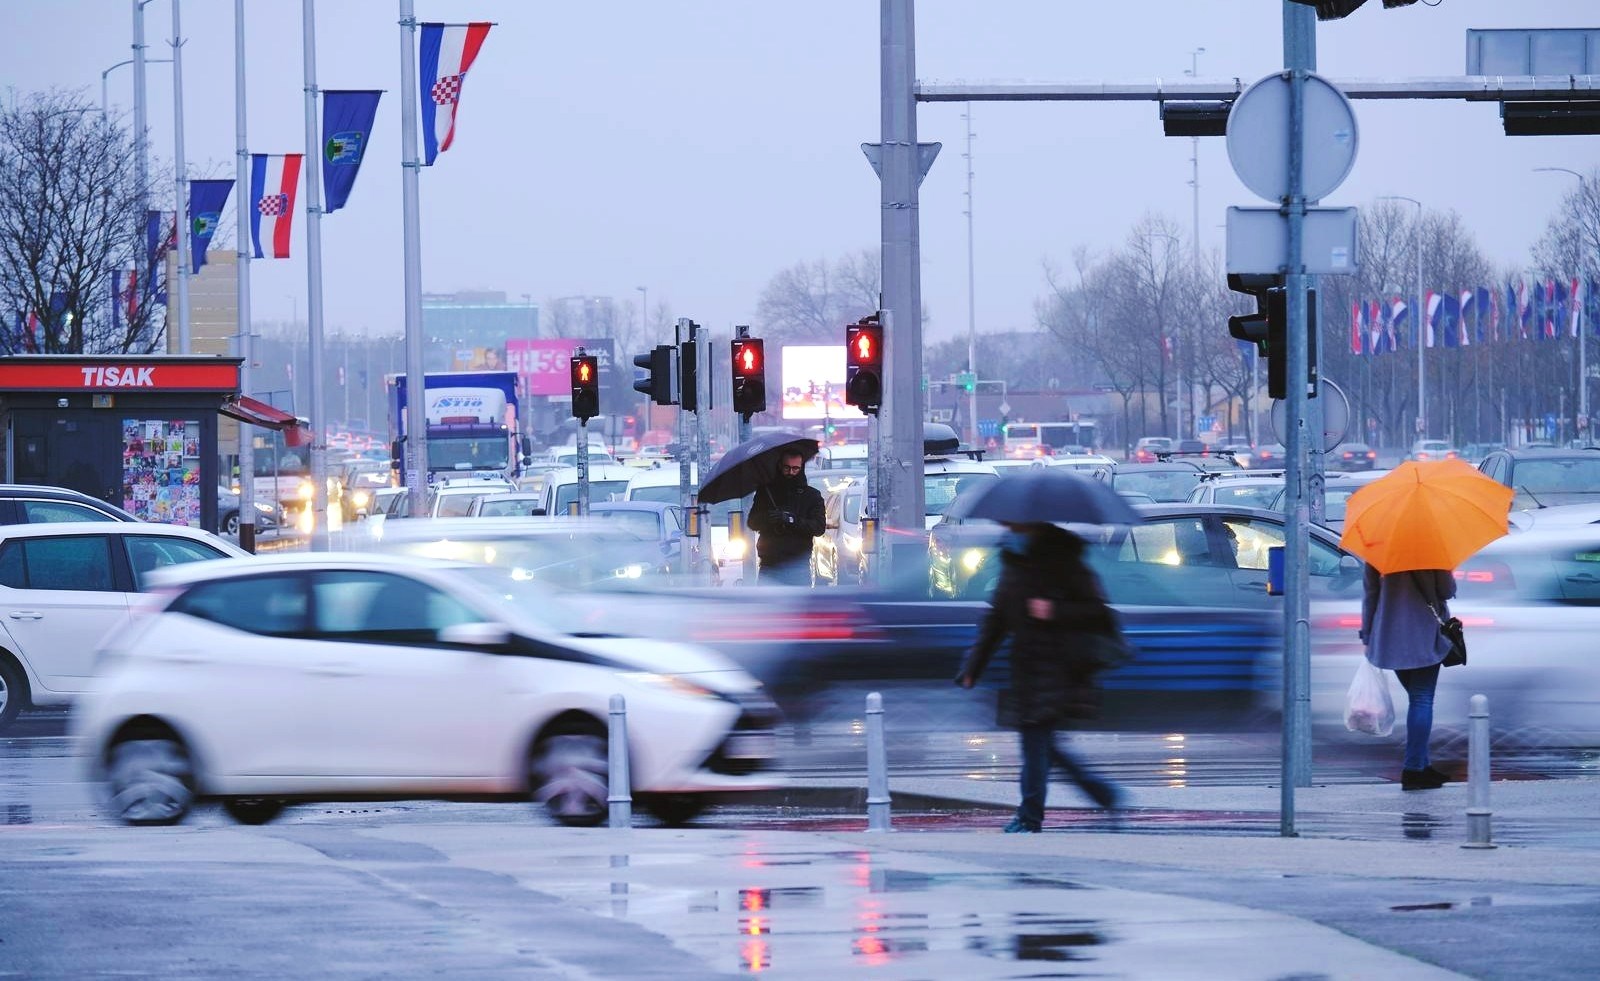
{"x":1368,"y":707}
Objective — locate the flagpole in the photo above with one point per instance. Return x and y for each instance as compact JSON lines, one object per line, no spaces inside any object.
{"x":416,"y":428}
{"x":247,"y":469}
{"x":313,"y":168}
{"x":181,"y":182}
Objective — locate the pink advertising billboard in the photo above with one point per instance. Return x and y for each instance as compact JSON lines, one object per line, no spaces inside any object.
{"x":544,"y":364}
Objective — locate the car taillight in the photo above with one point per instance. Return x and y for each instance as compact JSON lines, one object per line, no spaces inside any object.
{"x":1372,"y":454}
{"x":1349,"y":456}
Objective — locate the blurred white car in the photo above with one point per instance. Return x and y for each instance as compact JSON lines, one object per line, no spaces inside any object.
{"x":324,"y":677}
{"x":65,"y":585}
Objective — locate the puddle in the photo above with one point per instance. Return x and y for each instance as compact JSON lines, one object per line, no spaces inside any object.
{"x":899,"y":880}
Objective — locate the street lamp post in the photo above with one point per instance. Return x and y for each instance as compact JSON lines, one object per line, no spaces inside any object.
{"x":1194,"y":155}
{"x":106,"y":75}
{"x":1583,"y":344}
{"x":1416,"y":241}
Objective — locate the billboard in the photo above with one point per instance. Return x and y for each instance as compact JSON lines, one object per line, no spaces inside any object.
{"x":813,"y":383}
{"x":544,"y":365}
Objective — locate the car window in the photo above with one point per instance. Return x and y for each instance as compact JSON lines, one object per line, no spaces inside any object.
{"x":661,"y":494}
{"x":1559,"y":475}
{"x":273,"y":605}
{"x":1177,"y":541}
{"x":382,"y":606}
{"x":149,"y":552}
{"x":941,"y":490}
{"x":599,"y":490}
{"x":78,"y":562}
{"x":1255,"y":496}
{"x":40,"y":511}
{"x":513,"y":508}
{"x":645,"y":524}
{"x":1162,"y":485}
{"x":1250,"y":540}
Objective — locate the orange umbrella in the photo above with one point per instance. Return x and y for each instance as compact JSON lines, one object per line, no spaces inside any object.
{"x":1428,"y":515}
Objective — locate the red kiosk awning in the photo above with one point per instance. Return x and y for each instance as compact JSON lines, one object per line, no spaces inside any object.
{"x":258,"y":413}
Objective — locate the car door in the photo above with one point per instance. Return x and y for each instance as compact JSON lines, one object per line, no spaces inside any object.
{"x":60,"y":596}
{"x":410,"y":708}
{"x":147,"y":553}
{"x":1251,"y":538}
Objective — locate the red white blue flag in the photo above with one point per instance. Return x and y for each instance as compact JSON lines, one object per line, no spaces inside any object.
{"x":274,"y":179}
{"x":1430,"y":316}
{"x":124,"y":297}
{"x":1358,"y":325}
{"x":448,"y":50}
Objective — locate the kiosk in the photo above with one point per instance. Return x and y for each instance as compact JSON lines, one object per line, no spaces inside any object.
{"x":137,"y":431}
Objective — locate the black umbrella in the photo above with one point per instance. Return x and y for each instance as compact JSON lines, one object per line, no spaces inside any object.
{"x":752,"y":464}
{"x":1052,"y":495}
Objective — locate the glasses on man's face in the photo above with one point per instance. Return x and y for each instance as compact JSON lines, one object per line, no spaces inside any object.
{"x":791,"y":469}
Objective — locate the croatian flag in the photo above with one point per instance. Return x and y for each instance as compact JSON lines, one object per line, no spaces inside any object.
{"x":448,"y":51}
{"x":1397,"y":319}
{"x":1375,"y":327}
{"x":274,"y":179}
{"x":1574,"y":307}
{"x":1523,"y":311}
{"x":1430,"y":307}
{"x":1358,"y":325}
{"x":124,"y":297}
{"x":1468,"y":306}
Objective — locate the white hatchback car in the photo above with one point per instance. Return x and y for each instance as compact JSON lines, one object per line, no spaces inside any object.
{"x":340,"y":677}
{"x":65,"y":585}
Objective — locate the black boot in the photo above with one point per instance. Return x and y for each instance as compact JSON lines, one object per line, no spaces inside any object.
{"x":1425,"y":779}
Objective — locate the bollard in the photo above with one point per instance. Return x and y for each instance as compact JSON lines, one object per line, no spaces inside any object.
{"x":1478,"y":773}
{"x":618,"y":798}
{"x":877,"y":767}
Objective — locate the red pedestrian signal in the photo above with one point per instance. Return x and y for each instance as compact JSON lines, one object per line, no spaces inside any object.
{"x":863,"y":387}
{"x":585,"y":387}
{"x":749,"y":376}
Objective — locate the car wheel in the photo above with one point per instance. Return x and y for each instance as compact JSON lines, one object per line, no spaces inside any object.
{"x":674,"y":810}
{"x":230,"y":523}
{"x":569,"y":773}
{"x":152,"y":780}
{"x":11,"y":688}
{"x":252,"y":810}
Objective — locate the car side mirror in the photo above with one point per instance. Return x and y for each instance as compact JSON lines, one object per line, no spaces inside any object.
{"x":1349,"y":566}
{"x":475,"y":634}
{"x":536,"y":512}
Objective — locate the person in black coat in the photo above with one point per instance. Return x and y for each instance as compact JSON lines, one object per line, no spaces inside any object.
{"x":787,"y":515}
{"x":1063,"y":634}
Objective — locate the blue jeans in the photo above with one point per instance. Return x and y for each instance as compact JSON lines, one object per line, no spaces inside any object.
{"x":1419,"y":684}
{"x":1039,"y":754}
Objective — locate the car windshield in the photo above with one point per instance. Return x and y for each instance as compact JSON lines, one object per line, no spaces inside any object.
{"x":1162,"y":485}
{"x":599,"y":490}
{"x":455,"y":505}
{"x":941,"y":490}
{"x":645,"y":524}
{"x":511,"y":507}
{"x":468,"y":452}
{"x":1558,"y":475}
{"x":528,"y":599}
{"x":1252,"y":495}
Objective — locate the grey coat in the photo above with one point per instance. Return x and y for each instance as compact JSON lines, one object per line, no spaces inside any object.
{"x":1397,"y":625}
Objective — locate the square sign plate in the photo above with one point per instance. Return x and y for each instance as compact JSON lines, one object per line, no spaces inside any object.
{"x":1258,"y":241}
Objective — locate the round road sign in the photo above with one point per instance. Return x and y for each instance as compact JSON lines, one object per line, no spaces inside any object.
{"x":1258,"y":138}
{"x":1335,"y":415}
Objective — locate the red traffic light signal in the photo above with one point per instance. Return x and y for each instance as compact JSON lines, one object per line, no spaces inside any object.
{"x":585,"y":386}
{"x":863,"y":343}
{"x":749,"y":376}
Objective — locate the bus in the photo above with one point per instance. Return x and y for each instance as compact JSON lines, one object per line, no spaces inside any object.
{"x":1025,"y":440}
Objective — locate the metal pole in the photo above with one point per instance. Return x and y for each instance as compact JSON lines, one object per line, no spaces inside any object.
{"x":1422,"y":383}
{"x":619,"y":798}
{"x":1299,"y":40}
{"x":416,"y":421}
{"x":900,"y":487}
{"x":583,"y":463}
{"x":1478,"y":812}
{"x":972,"y":301}
{"x":313,"y":168}
{"x":241,"y":200}
{"x":686,"y":449}
{"x":140,"y":151}
{"x":878,"y":800}
{"x":181,"y":180}
{"x":1194,"y":158}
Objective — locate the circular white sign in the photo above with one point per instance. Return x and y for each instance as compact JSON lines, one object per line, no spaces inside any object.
{"x":1335,"y":416}
{"x":1258,"y":138}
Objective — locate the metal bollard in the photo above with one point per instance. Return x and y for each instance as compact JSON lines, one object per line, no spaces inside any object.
{"x":618,"y":798}
{"x":1478,"y":773}
{"x":877,"y":767}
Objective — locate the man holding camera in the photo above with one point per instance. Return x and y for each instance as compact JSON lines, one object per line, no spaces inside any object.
{"x":787,"y":515}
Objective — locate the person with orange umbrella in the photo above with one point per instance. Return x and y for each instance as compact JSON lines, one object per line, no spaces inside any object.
{"x":1413,"y":527}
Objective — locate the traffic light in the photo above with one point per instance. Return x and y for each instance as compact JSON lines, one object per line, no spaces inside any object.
{"x":1268,"y":327}
{"x":863,"y":386}
{"x":1336,"y":9}
{"x":749,"y":377}
{"x":689,"y":376}
{"x":585,"y":386}
{"x":657,"y":381}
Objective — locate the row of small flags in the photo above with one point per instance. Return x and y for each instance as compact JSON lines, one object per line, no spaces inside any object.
{"x":1518,"y":311}
{"x":447,"y":52}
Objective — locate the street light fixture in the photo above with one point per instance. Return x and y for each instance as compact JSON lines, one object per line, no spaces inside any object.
{"x":105,"y":75}
{"x":1416,"y":242}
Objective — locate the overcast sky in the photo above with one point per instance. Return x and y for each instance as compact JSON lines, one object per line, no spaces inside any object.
{"x":697,"y":147}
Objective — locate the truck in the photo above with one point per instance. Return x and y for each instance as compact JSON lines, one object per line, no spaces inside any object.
{"x":472,"y":419}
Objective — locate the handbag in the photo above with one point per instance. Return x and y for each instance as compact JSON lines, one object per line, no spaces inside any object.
{"x":1452,"y":631}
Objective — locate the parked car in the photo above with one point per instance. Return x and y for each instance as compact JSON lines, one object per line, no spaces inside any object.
{"x":1543,"y":478}
{"x":451,"y":499}
{"x":1352,"y":456}
{"x":1149,"y":449}
{"x":836,"y":555}
{"x":1432,"y":449}
{"x":28,"y":503}
{"x":67,"y":584}
{"x":1245,"y":490}
{"x":326,"y":677}
{"x":228,"y":513}
{"x":1268,"y":456}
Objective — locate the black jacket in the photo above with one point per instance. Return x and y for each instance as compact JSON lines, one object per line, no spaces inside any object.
{"x":787,"y":514}
{"x":1055,"y":662}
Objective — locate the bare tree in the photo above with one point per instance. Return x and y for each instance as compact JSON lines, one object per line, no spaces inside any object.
{"x":811,"y":302}
{"x":71,"y":220}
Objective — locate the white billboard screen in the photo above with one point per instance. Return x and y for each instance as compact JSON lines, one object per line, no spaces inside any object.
{"x":813,"y":383}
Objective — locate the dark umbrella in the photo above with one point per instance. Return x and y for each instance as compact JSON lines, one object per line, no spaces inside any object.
{"x":752,"y":464}
{"x":1052,"y":495}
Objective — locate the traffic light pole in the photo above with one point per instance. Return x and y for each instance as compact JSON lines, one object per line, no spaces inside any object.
{"x":685,"y":447}
{"x":583,"y":466}
{"x":1299,"y":56}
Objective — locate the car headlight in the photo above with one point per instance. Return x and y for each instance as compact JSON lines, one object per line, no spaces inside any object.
{"x":733,"y":550}
{"x":362,"y":498}
{"x":972,"y":558}
{"x":306,"y":490}
{"x":670,"y":682}
{"x":851,"y":543}
{"x":633,"y":570}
